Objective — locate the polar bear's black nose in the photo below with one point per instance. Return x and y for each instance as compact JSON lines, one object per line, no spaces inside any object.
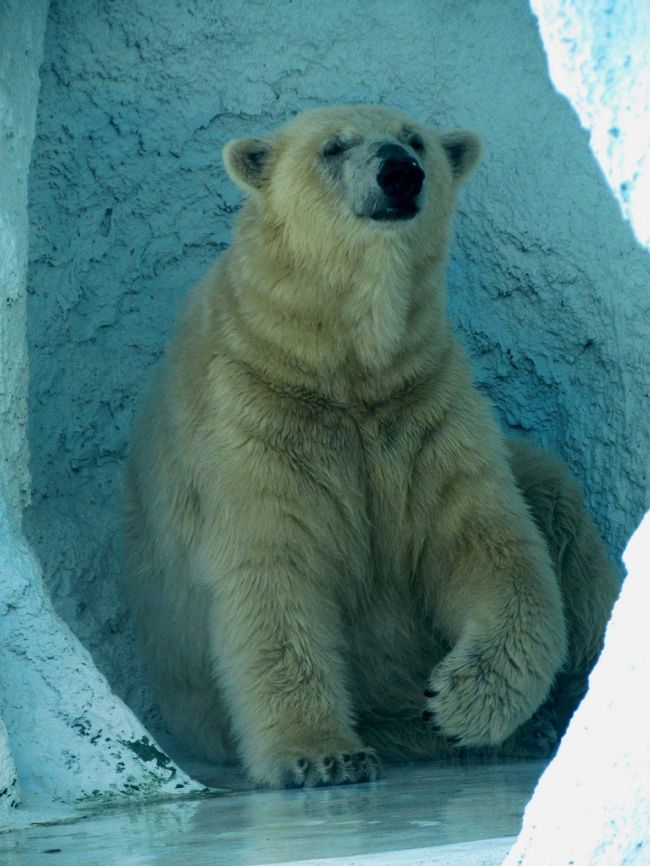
{"x":399,"y":175}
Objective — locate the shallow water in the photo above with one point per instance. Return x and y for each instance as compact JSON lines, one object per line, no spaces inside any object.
{"x":412,"y":807}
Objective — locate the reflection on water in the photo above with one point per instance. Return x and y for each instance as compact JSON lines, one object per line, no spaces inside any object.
{"x":416,"y":806}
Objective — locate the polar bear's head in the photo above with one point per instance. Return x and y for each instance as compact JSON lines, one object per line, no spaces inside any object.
{"x":336,"y":178}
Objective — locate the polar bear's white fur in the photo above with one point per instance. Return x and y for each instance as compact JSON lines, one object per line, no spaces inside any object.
{"x":324,"y":519}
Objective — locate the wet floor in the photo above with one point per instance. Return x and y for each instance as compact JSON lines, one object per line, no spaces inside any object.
{"x":414,"y":807}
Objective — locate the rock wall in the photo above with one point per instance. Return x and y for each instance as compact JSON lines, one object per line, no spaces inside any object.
{"x":19,"y":85}
{"x":64,"y":736}
{"x":71,"y":738}
{"x":599,"y":56}
{"x":18,"y":95}
{"x":592,"y":805}
{"x":129,"y":204}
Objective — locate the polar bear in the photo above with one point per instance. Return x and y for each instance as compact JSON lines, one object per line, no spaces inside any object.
{"x":334,"y":555}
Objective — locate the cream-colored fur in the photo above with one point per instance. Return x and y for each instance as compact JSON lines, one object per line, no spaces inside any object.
{"x":322,"y":515}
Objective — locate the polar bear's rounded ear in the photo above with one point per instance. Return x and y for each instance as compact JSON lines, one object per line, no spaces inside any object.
{"x":463,"y":151}
{"x":247,"y":161}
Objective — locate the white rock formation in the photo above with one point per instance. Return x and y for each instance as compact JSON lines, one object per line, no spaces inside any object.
{"x":71,"y":737}
{"x":21,"y":48}
{"x":592,"y":805}
{"x":61,"y":728}
{"x":599,"y":57}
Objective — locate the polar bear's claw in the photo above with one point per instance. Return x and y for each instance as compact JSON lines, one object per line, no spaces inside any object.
{"x":342,"y":769}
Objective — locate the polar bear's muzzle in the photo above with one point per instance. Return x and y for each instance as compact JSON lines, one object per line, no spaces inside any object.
{"x":400,"y":179}
{"x":383,"y":180}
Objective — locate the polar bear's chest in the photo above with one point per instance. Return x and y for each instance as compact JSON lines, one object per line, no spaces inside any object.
{"x":394,"y":447}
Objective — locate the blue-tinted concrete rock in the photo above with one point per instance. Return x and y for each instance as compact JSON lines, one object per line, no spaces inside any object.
{"x":21,"y":47}
{"x":592,"y":805}
{"x":71,"y":737}
{"x":599,"y":58}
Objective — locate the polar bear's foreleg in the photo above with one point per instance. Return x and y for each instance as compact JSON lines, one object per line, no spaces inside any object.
{"x":492,"y":591}
{"x":276,"y":650}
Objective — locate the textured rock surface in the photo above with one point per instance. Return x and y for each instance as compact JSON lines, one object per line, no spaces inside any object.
{"x":599,"y":57}
{"x":9,"y":787}
{"x":130,"y":203}
{"x":21,"y":46}
{"x":63,"y":734}
{"x":71,"y":738}
{"x":592,"y":805}
{"x":19,"y":85}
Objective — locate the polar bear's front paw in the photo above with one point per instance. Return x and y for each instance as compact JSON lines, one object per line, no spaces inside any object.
{"x":338,"y":762}
{"x":536,"y":738}
{"x":479,"y":698}
{"x":336,"y":769}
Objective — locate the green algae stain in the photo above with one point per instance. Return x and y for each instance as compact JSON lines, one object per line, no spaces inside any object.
{"x":146,"y":751}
